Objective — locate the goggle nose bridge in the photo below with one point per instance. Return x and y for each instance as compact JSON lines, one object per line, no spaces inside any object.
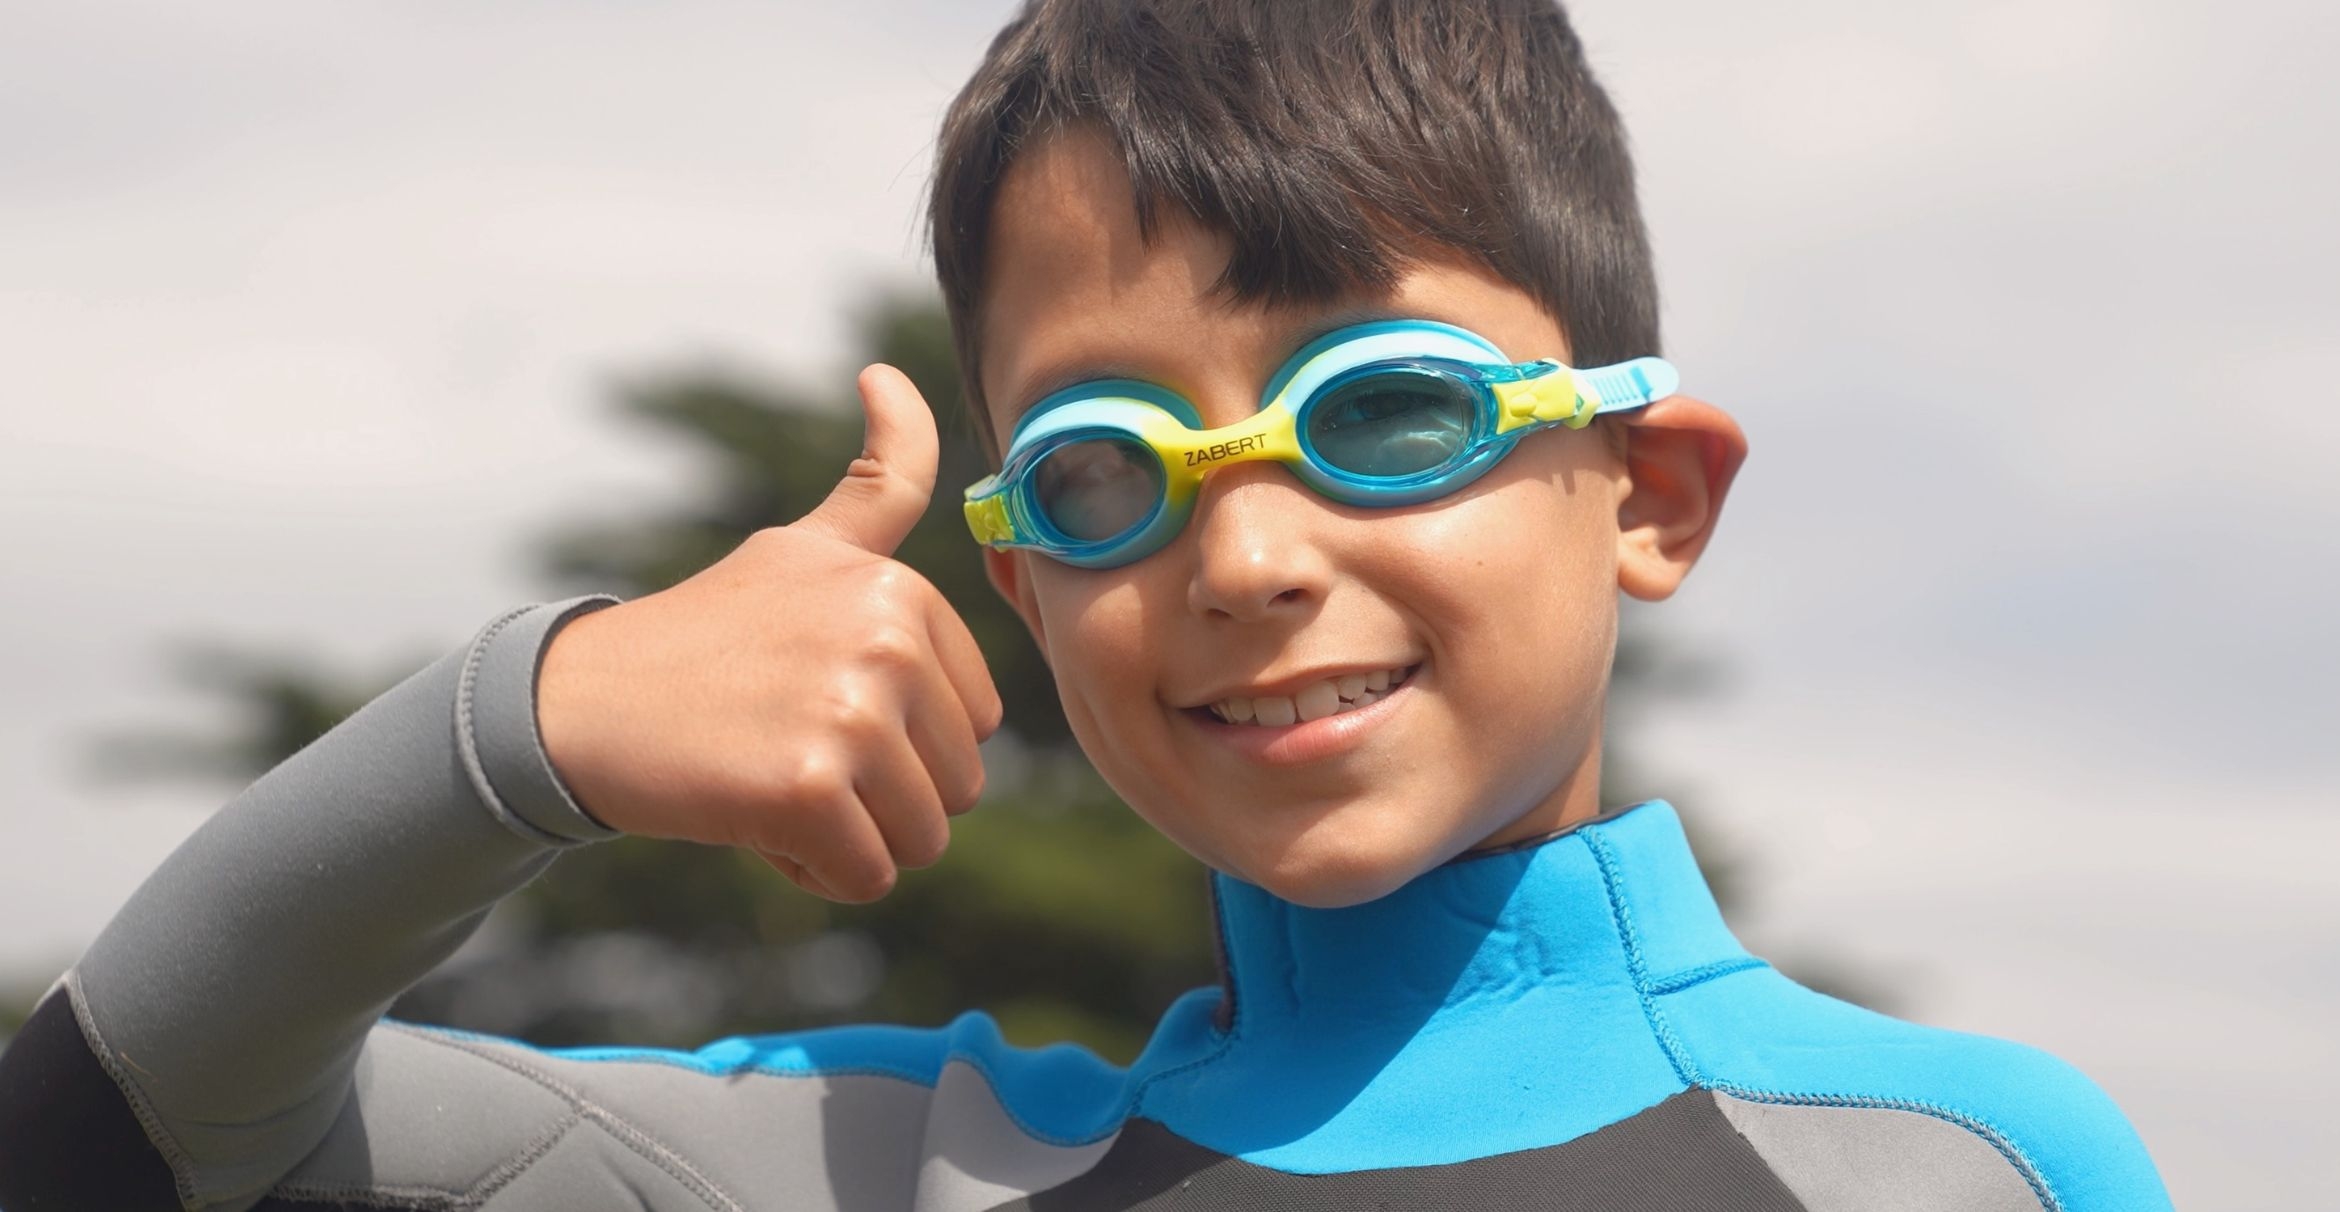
{"x":1269,"y":435}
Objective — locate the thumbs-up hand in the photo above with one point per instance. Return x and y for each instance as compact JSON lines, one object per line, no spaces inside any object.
{"x":806,"y":696}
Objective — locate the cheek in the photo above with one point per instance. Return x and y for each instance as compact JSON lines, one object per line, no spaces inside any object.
{"x":1521,"y":582}
{"x":1096,"y":625}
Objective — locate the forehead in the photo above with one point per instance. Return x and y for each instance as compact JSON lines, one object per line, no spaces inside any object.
{"x":1072,"y":293}
{"x":1067,"y":272}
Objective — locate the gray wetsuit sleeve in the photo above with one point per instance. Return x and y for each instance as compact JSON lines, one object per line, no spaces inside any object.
{"x":236,"y":1001}
{"x":231,"y":997}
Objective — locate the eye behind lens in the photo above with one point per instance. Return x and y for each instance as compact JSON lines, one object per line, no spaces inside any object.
{"x":1391,"y":423}
{"x":1094,"y":489}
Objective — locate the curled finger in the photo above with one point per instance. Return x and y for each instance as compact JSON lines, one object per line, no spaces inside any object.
{"x":898,"y":796}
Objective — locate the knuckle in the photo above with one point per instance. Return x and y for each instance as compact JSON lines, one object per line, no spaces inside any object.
{"x":858,"y":717}
{"x":898,"y":585}
{"x":765,"y":536}
{"x":815,"y":776}
{"x":891,"y":647}
{"x":770,"y":545}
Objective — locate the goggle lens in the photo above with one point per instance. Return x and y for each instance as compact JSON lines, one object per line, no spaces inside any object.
{"x":1391,"y":423}
{"x":1386,"y":423}
{"x":1096,"y":489}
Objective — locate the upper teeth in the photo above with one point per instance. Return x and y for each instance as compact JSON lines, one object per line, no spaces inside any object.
{"x":1329,"y":697}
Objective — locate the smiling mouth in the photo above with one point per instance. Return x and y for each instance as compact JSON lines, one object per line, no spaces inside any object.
{"x":1333,"y":696}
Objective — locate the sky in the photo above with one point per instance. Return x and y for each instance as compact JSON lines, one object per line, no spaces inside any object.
{"x":310,"y":316}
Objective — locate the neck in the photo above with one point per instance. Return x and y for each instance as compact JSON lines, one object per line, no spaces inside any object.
{"x":1575,"y":801}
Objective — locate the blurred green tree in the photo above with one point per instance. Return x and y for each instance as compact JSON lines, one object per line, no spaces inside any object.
{"x":1057,"y":909}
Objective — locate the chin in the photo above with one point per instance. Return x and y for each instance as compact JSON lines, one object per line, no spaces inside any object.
{"x":1336,"y":863}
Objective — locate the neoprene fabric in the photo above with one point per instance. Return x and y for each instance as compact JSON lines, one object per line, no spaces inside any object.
{"x":1565,"y":1023}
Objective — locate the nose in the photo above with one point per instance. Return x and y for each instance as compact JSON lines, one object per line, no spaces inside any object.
{"x":1257,"y":555}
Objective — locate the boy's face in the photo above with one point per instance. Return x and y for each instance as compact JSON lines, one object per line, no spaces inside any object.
{"x":1500,"y":598}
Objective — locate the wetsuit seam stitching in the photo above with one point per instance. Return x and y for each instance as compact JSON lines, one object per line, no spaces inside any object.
{"x":183,"y":1168}
{"x":418,"y":1196}
{"x":1677,"y":1054}
{"x":908,"y":1076}
{"x":991,"y":1082}
{"x":467,"y":743}
{"x":657,"y":1153}
{"x":1685,"y":1065}
{"x":1975,"y":1124}
{"x":912,"y":1077}
{"x":1691,"y":978}
{"x":640,"y":1142}
{"x":425,"y":1198}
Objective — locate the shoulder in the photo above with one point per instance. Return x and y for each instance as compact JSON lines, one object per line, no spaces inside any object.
{"x":1058,"y":1091}
{"x":1813,"y":1072}
{"x":868,"y":1115}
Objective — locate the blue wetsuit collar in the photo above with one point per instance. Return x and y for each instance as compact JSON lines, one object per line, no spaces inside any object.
{"x":1484,"y":923}
{"x":1518,"y":973}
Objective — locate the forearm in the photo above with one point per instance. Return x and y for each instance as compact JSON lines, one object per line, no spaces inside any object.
{"x":229,"y":997}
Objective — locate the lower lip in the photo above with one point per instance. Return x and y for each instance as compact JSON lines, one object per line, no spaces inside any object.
{"x":1310,"y":740}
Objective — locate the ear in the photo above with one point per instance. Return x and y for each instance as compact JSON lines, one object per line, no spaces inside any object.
{"x":1679,"y":458}
{"x":1011,"y":576}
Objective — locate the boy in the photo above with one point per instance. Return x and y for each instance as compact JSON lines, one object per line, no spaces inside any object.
{"x":1270,"y":308}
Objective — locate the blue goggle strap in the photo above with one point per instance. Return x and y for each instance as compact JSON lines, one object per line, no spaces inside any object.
{"x":1548,"y":393}
{"x":1629,"y":385}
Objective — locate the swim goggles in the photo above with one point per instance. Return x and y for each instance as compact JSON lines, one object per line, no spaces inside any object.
{"x":1385,"y":413}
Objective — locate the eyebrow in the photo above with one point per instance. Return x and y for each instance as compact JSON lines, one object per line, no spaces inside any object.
{"x":1056,"y":378}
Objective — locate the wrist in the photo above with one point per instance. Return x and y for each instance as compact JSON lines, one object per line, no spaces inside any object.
{"x":499,"y":724}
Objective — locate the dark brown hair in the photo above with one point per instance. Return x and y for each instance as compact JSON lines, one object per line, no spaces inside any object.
{"x":1326,"y":138}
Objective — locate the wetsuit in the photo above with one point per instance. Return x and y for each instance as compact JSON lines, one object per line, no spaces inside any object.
{"x":1561,"y":1024}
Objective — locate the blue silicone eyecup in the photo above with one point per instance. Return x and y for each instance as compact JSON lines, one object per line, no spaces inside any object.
{"x":1160,"y":524}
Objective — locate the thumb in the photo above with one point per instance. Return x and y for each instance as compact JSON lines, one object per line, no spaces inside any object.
{"x":885,"y":491}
